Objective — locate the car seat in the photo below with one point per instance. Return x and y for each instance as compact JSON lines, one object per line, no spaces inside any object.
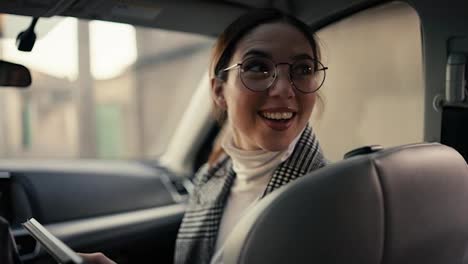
{"x":407,"y":204}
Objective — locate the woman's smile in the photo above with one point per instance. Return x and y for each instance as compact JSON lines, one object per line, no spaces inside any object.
{"x":279,"y":118}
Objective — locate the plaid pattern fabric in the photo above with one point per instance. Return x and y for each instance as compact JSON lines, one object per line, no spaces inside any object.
{"x":199,"y":229}
{"x":306,"y":157}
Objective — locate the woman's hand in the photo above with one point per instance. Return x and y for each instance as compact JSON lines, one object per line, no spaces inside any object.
{"x":96,"y":258}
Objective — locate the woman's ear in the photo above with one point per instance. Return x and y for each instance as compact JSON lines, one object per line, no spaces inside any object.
{"x":217,"y":92}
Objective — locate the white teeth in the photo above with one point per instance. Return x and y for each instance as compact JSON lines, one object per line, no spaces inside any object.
{"x":277,"y":115}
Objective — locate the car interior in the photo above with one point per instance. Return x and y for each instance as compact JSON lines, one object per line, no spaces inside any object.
{"x":105,"y":117}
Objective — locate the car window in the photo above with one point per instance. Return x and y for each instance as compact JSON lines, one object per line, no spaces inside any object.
{"x":100,"y":90}
{"x":11,"y":25}
{"x":374,"y":92}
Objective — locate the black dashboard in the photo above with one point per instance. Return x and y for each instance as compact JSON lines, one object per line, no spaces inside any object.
{"x":84,"y":202}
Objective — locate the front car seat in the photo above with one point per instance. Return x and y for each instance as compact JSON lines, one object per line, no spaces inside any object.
{"x":406,"y":204}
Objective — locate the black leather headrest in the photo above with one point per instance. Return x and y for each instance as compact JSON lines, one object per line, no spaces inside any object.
{"x":407,"y":204}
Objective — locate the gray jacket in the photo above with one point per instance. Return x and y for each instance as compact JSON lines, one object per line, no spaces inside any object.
{"x":199,"y":229}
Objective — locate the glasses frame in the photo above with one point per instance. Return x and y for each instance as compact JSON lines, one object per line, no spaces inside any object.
{"x":239,"y":66}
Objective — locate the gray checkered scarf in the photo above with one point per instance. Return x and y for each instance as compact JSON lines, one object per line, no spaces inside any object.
{"x":199,"y":229}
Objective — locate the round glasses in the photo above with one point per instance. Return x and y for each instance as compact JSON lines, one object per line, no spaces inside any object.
{"x":258,"y":73}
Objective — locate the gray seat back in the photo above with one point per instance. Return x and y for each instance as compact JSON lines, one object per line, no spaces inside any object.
{"x":407,"y":204}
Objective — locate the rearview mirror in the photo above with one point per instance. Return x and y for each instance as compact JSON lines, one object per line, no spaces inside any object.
{"x":12,"y":74}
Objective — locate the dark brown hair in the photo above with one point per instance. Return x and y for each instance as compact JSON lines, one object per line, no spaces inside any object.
{"x":226,"y":44}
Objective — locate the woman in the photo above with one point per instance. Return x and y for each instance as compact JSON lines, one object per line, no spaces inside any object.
{"x":265,"y":74}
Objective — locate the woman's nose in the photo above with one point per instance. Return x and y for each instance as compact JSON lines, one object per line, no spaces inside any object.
{"x":283,"y":85}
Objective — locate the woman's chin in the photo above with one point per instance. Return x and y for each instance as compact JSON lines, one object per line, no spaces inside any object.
{"x":274,"y":141}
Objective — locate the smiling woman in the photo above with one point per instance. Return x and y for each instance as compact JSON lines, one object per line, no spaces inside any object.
{"x":265,"y":74}
{"x":256,"y":105}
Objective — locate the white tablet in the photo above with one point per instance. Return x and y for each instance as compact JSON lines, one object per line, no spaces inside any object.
{"x":56,"y":248}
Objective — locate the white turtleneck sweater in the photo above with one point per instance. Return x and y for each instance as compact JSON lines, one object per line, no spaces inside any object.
{"x":253,"y":172}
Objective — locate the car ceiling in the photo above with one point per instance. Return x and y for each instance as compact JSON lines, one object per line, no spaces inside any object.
{"x":207,"y":17}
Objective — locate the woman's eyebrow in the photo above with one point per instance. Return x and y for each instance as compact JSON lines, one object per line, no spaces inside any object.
{"x":257,"y":53}
{"x":302,"y":56}
{"x":261,"y":53}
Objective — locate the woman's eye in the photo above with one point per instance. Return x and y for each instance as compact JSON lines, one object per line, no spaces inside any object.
{"x":303,"y":69}
{"x":257,"y":67}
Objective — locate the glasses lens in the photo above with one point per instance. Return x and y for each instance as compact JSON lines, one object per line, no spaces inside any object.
{"x":307,"y":75}
{"x":257,"y":74}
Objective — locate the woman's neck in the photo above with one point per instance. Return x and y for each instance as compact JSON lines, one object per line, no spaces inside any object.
{"x":253,"y":163}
